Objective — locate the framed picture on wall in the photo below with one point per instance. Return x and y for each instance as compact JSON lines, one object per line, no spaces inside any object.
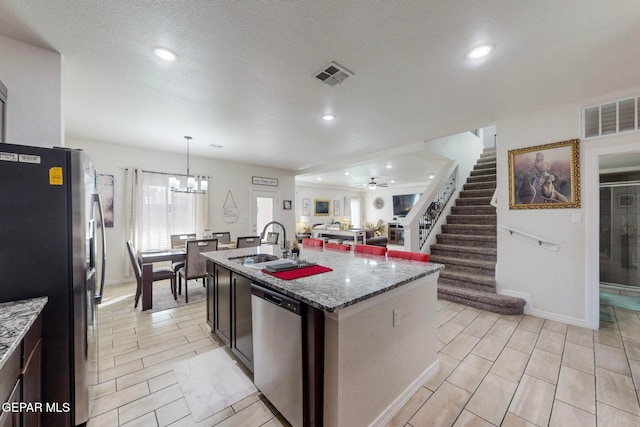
{"x":336,"y":208}
{"x":545,"y":176}
{"x":286,"y":205}
{"x":306,"y":207}
{"x":321,"y":207}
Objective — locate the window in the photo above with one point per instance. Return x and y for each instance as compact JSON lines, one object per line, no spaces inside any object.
{"x":165,"y":212}
{"x":356,"y":216}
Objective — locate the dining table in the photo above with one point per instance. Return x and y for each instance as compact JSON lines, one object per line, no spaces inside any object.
{"x":147,"y":259}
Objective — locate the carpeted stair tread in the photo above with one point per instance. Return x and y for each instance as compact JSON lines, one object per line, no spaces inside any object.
{"x":475,"y":201}
{"x":473,"y":250}
{"x":482,"y":178}
{"x":467,"y":240}
{"x":474,"y":229}
{"x":472,"y":219}
{"x":482,"y":192}
{"x":473,"y":210}
{"x":491,"y":171}
{"x":489,"y":301}
{"x":479,"y":185}
{"x":486,"y":165}
{"x":468,"y":278}
{"x":470,"y":262}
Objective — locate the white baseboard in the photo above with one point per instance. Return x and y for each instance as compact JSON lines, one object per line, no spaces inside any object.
{"x":385,"y":417}
{"x":531,"y":310}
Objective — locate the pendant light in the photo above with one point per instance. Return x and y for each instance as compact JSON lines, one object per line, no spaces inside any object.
{"x":192,"y":183}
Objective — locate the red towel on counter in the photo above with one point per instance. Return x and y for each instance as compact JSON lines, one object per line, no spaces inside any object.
{"x":299,"y":272}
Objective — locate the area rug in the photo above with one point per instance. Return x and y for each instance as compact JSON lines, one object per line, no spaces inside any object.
{"x":163,"y":299}
{"x":621,"y":301}
{"x":211,"y":382}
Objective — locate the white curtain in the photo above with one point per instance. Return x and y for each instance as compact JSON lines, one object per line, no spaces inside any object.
{"x":356,"y":214}
{"x":154,"y":212}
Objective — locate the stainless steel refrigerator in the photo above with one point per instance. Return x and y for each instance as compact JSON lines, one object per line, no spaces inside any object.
{"x":52,"y":244}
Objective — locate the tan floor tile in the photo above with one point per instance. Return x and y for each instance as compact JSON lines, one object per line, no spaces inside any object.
{"x":523,"y":341}
{"x":564,"y":415}
{"x":461,"y":346}
{"x":616,"y":390}
{"x":510,"y":364}
{"x":553,"y":326}
{"x":119,"y":398}
{"x":442,"y":408}
{"x":487,"y":315}
{"x":551,"y":341}
{"x":611,"y":358}
{"x":445,"y":316}
{"x":492,"y":398}
{"x":635,"y":372}
{"x":578,"y":357}
{"x":213,"y":420}
{"x":467,"y":419}
{"x":151,"y":372}
{"x":276,"y":422}
{"x":533,"y":400}
{"x":610,"y":337}
{"x":489,"y":347}
{"x":503,"y":328}
{"x":610,"y":416}
{"x":147,"y":420}
{"x":447,"y":332}
{"x":149,"y":403}
{"x":247,"y":401}
{"x":465,"y":317}
{"x":446,"y":365}
{"x":148,"y":351}
{"x":410,"y":408}
{"x":108,"y":419}
{"x":255,"y":415}
{"x":577,"y":388}
{"x":470,"y":373}
{"x":544,"y":365}
{"x":512,"y":420}
{"x":175,"y":352}
{"x":118,"y":371}
{"x":479,"y":327}
{"x":632,"y":348}
{"x":162,"y":381}
{"x":172,"y":412}
{"x":102,"y":389}
{"x":531,"y":324}
{"x":580,"y":336}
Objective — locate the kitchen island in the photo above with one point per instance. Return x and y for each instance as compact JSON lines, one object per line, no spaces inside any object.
{"x":369,"y":329}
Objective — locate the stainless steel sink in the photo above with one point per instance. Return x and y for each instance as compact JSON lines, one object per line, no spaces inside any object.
{"x":257,"y":258}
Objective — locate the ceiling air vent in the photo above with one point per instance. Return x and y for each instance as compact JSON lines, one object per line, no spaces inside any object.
{"x":333,"y":74}
{"x":611,"y":118}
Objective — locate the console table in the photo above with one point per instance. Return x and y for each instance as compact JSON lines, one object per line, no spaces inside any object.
{"x":355,"y":235}
{"x":396,"y":233}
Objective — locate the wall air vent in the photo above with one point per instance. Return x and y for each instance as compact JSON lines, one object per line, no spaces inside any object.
{"x":611,"y":118}
{"x":333,"y":74}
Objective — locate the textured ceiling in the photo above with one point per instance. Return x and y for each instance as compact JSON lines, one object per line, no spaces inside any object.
{"x":244,"y":78}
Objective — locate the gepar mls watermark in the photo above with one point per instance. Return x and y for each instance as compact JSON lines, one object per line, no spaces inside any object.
{"x":36,"y":407}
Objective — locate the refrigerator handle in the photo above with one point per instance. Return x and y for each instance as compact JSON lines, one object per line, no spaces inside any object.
{"x":98,"y":296}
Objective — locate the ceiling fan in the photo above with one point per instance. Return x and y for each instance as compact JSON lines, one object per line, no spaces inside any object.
{"x":372,"y":185}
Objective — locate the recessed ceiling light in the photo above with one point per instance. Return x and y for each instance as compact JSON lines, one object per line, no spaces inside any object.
{"x":392,"y":181}
{"x":480,"y":51}
{"x":319,"y":179}
{"x":388,"y":166}
{"x":164,"y":53}
{"x":431,"y":176}
{"x":346,"y":173}
{"x":328,"y":117}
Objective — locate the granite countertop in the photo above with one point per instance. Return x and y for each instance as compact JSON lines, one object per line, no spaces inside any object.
{"x":16,"y":318}
{"x":355,"y":277}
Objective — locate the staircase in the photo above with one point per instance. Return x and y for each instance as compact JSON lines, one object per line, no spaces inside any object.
{"x":467,"y":245}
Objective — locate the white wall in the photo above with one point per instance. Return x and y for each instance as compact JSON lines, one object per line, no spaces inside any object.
{"x":556,"y":284}
{"x":326,"y":193}
{"x":372,"y":214}
{"x":33,"y":77}
{"x":225,"y":175}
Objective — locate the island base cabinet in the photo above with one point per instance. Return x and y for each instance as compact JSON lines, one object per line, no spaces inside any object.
{"x":241,"y":330}
{"x":222,"y":301}
{"x":364,"y":336}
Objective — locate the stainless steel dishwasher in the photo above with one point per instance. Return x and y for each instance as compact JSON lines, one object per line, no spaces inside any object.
{"x":277,"y":351}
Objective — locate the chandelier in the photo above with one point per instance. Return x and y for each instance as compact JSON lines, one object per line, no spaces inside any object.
{"x":192,"y":182}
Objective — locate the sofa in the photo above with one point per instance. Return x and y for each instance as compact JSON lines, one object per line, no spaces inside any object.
{"x":371,"y":238}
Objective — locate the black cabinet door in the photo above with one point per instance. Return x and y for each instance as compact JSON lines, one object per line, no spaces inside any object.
{"x":210,"y":295}
{"x":222,"y":302}
{"x":12,"y":418}
{"x":242,"y":344}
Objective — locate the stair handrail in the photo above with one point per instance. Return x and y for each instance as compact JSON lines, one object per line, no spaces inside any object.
{"x":424,"y":216}
{"x":527,"y":237}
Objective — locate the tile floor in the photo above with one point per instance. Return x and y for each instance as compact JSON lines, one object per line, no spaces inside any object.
{"x":495,"y":370}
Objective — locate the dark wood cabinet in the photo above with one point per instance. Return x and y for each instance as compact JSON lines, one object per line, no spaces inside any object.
{"x":21,"y":380}
{"x":396,"y":234}
{"x":229,"y":310}
{"x":242,"y":336}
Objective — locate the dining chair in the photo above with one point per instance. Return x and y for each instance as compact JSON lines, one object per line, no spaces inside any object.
{"x":178,"y":240}
{"x":195,"y":266}
{"x":311,"y":242}
{"x":222,"y":236}
{"x":272,"y":238}
{"x":159,"y":273}
{"x":337,"y":246}
{"x":248,"y":241}
{"x":413,"y":256}
{"x":370,"y":249}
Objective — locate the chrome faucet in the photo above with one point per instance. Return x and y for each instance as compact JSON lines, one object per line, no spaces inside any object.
{"x":283,"y":246}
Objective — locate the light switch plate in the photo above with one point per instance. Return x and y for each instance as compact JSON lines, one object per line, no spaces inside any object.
{"x":577,"y":218}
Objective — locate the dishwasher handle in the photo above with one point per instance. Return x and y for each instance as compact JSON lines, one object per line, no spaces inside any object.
{"x":276,"y":298}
